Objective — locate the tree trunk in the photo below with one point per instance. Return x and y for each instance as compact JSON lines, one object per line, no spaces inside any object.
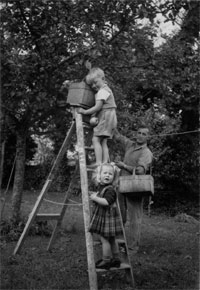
{"x":2,"y":141}
{"x":19,"y":176}
{"x":2,"y":150}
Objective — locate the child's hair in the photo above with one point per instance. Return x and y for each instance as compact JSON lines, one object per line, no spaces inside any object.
{"x":94,"y":72}
{"x":115,"y":171}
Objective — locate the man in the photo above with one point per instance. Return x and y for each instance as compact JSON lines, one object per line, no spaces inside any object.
{"x":138,"y":156}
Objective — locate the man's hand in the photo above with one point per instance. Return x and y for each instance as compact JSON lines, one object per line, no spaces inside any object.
{"x":139,"y":170}
{"x":120,"y":164}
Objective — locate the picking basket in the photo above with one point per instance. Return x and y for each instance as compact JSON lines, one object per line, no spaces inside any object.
{"x":136,"y":185}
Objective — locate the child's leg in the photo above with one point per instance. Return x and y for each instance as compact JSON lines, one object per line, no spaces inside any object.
{"x":105,"y":151}
{"x":115,"y":262}
{"x":106,"y":249}
{"x":97,"y":149}
{"x":106,"y":255}
{"x":114,"y":248}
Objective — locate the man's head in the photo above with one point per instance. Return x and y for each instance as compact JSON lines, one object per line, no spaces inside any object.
{"x":142,"y":135}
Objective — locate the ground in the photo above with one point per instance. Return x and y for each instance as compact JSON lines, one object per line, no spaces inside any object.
{"x":168,"y":257}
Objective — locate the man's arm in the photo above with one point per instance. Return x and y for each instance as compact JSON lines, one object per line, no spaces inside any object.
{"x":139,"y":170}
{"x":125,"y":142}
{"x":123,"y":165}
{"x":144,"y":162}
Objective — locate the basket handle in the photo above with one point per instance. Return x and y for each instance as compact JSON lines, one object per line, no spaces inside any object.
{"x":133,"y":174}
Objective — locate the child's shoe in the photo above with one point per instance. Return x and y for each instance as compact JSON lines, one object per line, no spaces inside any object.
{"x":98,"y":262}
{"x":101,"y":264}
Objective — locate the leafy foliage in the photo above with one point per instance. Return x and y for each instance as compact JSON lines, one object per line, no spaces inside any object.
{"x":46,"y":42}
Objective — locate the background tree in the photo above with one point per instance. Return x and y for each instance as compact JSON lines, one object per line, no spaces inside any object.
{"x":46,"y":42}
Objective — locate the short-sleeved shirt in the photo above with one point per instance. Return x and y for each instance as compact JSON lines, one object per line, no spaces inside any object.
{"x":105,"y":94}
{"x":107,"y":115}
{"x":135,"y":155}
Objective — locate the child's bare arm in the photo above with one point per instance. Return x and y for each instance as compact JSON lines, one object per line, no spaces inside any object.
{"x":92,"y":110}
{"x":100,"y":200}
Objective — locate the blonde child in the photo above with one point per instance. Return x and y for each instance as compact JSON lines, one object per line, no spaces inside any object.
{"x":105,"y":220}
{"x":105,"y":111}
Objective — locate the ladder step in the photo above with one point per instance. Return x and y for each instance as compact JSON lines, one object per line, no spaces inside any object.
{"x":86,"y":125}
{"x":96,"y":243}
{"x":89,"y":148}
{"x":123,"y":266}
{"x":91,"y":170}
{"x":47,"y":216}
{"x":120,"y":241}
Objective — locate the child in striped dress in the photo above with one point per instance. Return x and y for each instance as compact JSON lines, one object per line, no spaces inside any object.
{"x":105,"y":220}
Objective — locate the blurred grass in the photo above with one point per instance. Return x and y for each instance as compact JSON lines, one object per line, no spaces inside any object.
{"x":168,"y":257}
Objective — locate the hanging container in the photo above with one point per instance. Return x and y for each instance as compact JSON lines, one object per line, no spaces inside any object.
{"x":136,"y":185}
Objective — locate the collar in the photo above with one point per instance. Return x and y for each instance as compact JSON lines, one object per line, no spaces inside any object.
{"x":140,"y":147}
{"x":105,"y":85}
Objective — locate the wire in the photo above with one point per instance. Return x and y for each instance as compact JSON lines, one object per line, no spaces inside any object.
{"x":60,"y":203}
{"x":181,"y":133}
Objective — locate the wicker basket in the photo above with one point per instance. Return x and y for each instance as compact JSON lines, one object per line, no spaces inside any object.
{"x":135,"y":185}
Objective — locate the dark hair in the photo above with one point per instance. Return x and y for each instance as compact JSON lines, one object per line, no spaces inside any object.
{"x":143,"y":126}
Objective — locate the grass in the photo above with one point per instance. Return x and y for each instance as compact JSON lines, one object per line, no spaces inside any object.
{"x":168,"y":257}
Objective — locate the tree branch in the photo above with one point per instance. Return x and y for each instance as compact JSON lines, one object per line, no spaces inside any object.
{"x":31,"y":31}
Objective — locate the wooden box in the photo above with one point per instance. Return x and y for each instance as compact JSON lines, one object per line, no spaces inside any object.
{"x":81,"y":95}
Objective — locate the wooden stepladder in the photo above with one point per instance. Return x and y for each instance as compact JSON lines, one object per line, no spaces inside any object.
{"x":35,"y":216}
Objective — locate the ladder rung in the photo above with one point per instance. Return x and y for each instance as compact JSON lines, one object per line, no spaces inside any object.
{"x":47,"y":216}
{"x":89,"y":148}
{"x":123,"y":266}
{"x":86,"y":125}
{"x":91,"y":170}
{"x":120,"y":241}
{"x":95,"y":243}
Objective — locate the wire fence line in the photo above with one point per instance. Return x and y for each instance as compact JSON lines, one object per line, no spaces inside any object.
{"x":178,"y":133}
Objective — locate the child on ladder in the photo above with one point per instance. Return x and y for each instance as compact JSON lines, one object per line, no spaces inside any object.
{"x":105,"y":220}
{"x":105,"y":111}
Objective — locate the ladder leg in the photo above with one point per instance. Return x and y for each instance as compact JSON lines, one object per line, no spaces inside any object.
{"x":129,"y":272}
{"x":85,"y":199}
{"x":64,"y":207}
{"x":31,"y":218}
{"x":53,"y":236}
{"x":44,"y":189}
{"x":62,"y":151}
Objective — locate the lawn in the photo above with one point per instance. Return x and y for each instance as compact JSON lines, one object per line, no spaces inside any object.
{"x":168,"y":257}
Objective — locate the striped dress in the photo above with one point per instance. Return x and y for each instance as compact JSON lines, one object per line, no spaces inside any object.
{"x":105,"y":220}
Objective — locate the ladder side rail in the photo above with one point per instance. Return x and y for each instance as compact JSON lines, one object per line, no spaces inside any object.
{"x":63,"y":209}
{"x":62,"y":151}
{"x":85,"y":199}
{"x":31,"y":218}
{"x":129,"y":271}
{"x":44,"y":189}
